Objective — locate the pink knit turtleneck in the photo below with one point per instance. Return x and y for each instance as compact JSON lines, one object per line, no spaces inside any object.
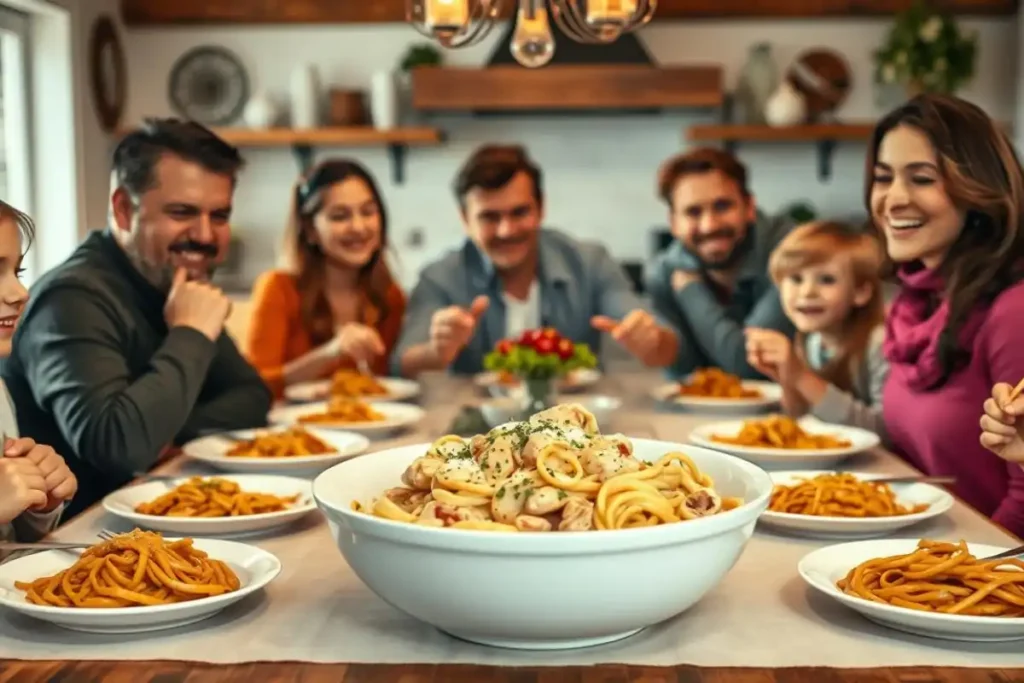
{"x":937,"y":429}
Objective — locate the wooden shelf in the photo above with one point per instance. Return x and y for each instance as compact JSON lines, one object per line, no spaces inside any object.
{"x":304,"y":141}
{"x":569,"y":87}
{"x":825,"y":135}
{"x":191,"y":12}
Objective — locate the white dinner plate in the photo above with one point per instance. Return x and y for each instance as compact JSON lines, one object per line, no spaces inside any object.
{"x":212,"y":449}
{"x":398,"y":389}
{"x":861,"y":440}
{"x":254,"y":566}
{"x":771,"y":394}
{"x":575,"y":381}
{"x":938,"y":500}
{"x":396,"y":416}
{"x":823,"y":567}
{"x":122,"y":503}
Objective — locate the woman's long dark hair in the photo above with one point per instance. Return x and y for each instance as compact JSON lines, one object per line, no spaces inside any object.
{"x":983,"y":177}
{"x":305,"y":259}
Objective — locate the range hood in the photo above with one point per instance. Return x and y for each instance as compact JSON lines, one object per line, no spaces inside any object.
{"x":615,"y":78}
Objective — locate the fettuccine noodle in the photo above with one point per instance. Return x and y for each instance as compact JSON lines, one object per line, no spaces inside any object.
{"x":941,"y":577}
{"x":840,"y":495}
{"x":554,"y":472}
{"x":132,"y":570}
{"x":213,"y":497}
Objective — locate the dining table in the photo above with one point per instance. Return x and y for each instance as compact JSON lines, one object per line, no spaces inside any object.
{"x":318,"y":622}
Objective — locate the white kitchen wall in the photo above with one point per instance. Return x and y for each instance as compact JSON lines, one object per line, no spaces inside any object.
{"x":599,"y":171}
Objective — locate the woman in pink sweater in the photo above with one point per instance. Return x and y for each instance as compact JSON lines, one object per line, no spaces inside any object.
{"x":946,"y":191}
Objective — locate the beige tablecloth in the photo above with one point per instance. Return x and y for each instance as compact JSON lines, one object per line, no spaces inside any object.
{"x":318,"y":611}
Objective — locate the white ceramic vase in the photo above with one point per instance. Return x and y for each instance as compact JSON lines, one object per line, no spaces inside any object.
{"x":384,"y":100}
{"x":261,"y":112}
{"x":305,"y":97}
{"x":786,"y":106}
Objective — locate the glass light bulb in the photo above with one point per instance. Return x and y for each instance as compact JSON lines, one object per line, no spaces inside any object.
{"x":446,"y":15}
{"x":601,"y":12}
{"x":533,"y":44}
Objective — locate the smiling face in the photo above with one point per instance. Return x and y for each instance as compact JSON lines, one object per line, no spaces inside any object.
{"x":182,"y":221}
{"x":348,"y":227}
{"x":505,"y":223}
{"x":909,"y":203}
{"x":710,"y":215}
{"x":819,"y":297}
{"x":13,"y":294}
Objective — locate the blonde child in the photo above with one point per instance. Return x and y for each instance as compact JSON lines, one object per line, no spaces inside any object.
{"x":35,"y":482}
{"x":829,"y":280}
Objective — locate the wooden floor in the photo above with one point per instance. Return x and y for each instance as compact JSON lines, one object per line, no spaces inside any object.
{"x":289,"y":672}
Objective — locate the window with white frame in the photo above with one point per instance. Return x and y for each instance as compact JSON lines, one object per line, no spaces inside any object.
{"x":15,"y":103}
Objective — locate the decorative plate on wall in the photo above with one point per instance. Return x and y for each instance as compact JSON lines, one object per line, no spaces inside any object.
{"x":108,"y":73}
{"x":209,"y":84}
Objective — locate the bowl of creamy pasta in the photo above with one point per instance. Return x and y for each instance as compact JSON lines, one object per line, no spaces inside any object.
{"x":545,"y":533}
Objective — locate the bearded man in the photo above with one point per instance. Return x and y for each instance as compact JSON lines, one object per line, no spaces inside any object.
{"x":713,"y":281}
{"x":121,"y":350}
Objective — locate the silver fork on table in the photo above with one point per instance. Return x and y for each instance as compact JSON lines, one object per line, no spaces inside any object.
{"x":104,"y":535}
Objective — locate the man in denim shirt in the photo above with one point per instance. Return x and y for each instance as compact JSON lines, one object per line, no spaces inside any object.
{"x":713,"y":282}
{"x":511,"y":276}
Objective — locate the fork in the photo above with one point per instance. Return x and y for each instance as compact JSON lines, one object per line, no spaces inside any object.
{"x":1012,"y":552}
{"x":104,"y":535}
{"x":364,"y":368}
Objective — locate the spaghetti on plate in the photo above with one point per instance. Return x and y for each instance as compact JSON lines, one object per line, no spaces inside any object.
{"x":295,"y":442}
{"x":780,"y":431}
{"x":135,"y":569}
{"x":553,"y":472}
{"x":839,"y":495}
{"x":213,"y":497}
{"x":716,"y":383}
{"x":341,"y":410}
{"x":941,"y":577}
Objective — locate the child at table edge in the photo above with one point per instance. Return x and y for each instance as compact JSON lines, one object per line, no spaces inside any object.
{"x":35,"y":482}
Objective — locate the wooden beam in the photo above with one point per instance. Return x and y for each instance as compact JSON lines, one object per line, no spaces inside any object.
{"x":502,"y":88}
{"x":143,"y":12}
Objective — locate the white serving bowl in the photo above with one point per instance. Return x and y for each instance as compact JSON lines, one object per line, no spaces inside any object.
{"x":540,"y":591}
{"x":499,"y":411}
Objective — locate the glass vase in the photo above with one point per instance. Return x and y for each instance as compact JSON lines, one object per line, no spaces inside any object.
{"x":538,"y":395}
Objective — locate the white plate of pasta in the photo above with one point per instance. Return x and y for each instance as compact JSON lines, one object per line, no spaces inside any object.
{"x":232,"y":571}
{"x":410,"y":518}
{"x":775,"y":440}
{"x":216,"y":505}
{"x":354,"y":385}
{"x":279,"y":450}
{"x":827,"y":504}
{"x":713,"y":390}
{"x":849,"y":573}
{"x":354,"y":415}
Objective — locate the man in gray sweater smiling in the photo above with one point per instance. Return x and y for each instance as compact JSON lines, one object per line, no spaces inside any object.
{"x":713,"y":281}
{"x":121,"y":350}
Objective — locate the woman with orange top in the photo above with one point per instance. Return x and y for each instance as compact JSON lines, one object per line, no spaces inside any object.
{"x":334,"y":303}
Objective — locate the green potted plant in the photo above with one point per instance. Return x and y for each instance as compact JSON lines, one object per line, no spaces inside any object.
{"x":538,"y":359}
{"x":925,"y":51}
{"x":417,"y":56}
